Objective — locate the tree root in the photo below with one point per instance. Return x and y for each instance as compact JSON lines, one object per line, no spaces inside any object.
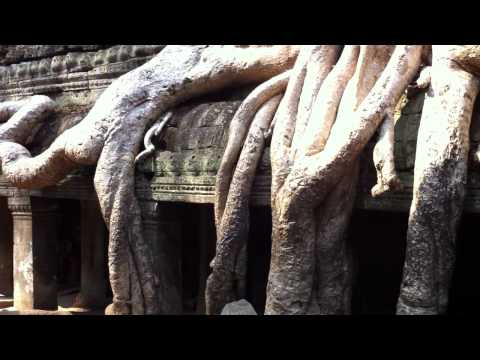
{"x":333,"y":286}
{"x":383,"y":158}
{"x":238,"y":130}
{"x":320,"y":64}
{"x":440,"y":177}
{"x":333,"y":255}
{"x":327,"y":102}
{"x":311,"y":178}
{"x":154,"y":131}
{"x":228,"y":267}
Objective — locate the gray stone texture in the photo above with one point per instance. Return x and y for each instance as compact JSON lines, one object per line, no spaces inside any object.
{"x":241,"y":307}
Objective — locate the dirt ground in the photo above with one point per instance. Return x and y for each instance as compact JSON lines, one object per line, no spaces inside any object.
{"x":65,"y":307}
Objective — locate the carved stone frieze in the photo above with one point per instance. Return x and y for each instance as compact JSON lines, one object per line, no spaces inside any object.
{"x":70,"y":69}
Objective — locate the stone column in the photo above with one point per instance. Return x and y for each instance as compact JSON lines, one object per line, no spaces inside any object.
{"x":164,"y":233}
{"x":94,"y":269}
{"x":34,"y":252}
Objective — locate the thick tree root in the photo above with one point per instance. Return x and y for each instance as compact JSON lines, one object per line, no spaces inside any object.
{"x":333,"y":255}
{"x":333,"y":286}
{"x":284,"y":121}
{"x":320,"y":64}
{"x":228,"y":266}
{"x":24,"y":119}
{"x":439,"y":187}
{"x":237,"y":132}
{"x":311,"y":179}
{"x":327,"y":102}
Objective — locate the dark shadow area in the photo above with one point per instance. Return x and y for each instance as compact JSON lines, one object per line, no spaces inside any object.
{"x":69,"y":245}
{"x":465,"y":291}
{"x":259,"y":250}
{"x":198,"y":248}
{"x":378,"y":240}
{"x":6,"y":250}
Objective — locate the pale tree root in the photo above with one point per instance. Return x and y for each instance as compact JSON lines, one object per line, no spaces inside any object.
{"x":320,"y":64}
{"x":384,"y":160}
{"x":284,"y":121}
{"x":237,"y":133}
{"x":226,"y":282}
{"x":112,"y":133}
{"x":440,"y":176}
{"x":154,"y":132}
{"x":332,"y":277}
{"x":24,"y":119}
{"x":283,"y":154}
{"x":334,"y":260}
{"x":327,"y":102}
{"x":317,"y":130}
{"x":311,"y":178}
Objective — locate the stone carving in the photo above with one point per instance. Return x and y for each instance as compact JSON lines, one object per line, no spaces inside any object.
{"x":65,"y":69}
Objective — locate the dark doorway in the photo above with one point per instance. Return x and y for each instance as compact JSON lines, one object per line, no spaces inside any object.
{"x":465,"y":292}
{"x":198,"y":240}
{"x":6,"y":250}
{"x":378,"y":240}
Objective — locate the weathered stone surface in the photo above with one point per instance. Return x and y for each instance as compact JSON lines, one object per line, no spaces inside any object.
{"x":35,"y":262}
{"x":10,"y":54}
{"x":241,"y":307}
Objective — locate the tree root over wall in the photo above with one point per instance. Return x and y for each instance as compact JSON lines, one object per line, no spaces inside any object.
{"x":321,"y":104}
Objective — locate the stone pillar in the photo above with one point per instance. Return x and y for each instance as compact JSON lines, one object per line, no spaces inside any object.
{"x":164,"y":233}
{"x":34,"y":252}
{"x":94,"y":269}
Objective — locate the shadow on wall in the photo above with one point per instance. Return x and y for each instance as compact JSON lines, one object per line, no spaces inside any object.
{"x":6,"y":250}
{"x":465,"y":291}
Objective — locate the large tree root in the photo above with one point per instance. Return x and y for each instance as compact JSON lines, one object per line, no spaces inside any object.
{"x":439,"y":186}
{"x":320,"y":64}
{"x":228,"y":266}
{"x":334,"y":268}
{"x":237,"y":133}
{"x":312,"y":177}
{"x":333,"y":260}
